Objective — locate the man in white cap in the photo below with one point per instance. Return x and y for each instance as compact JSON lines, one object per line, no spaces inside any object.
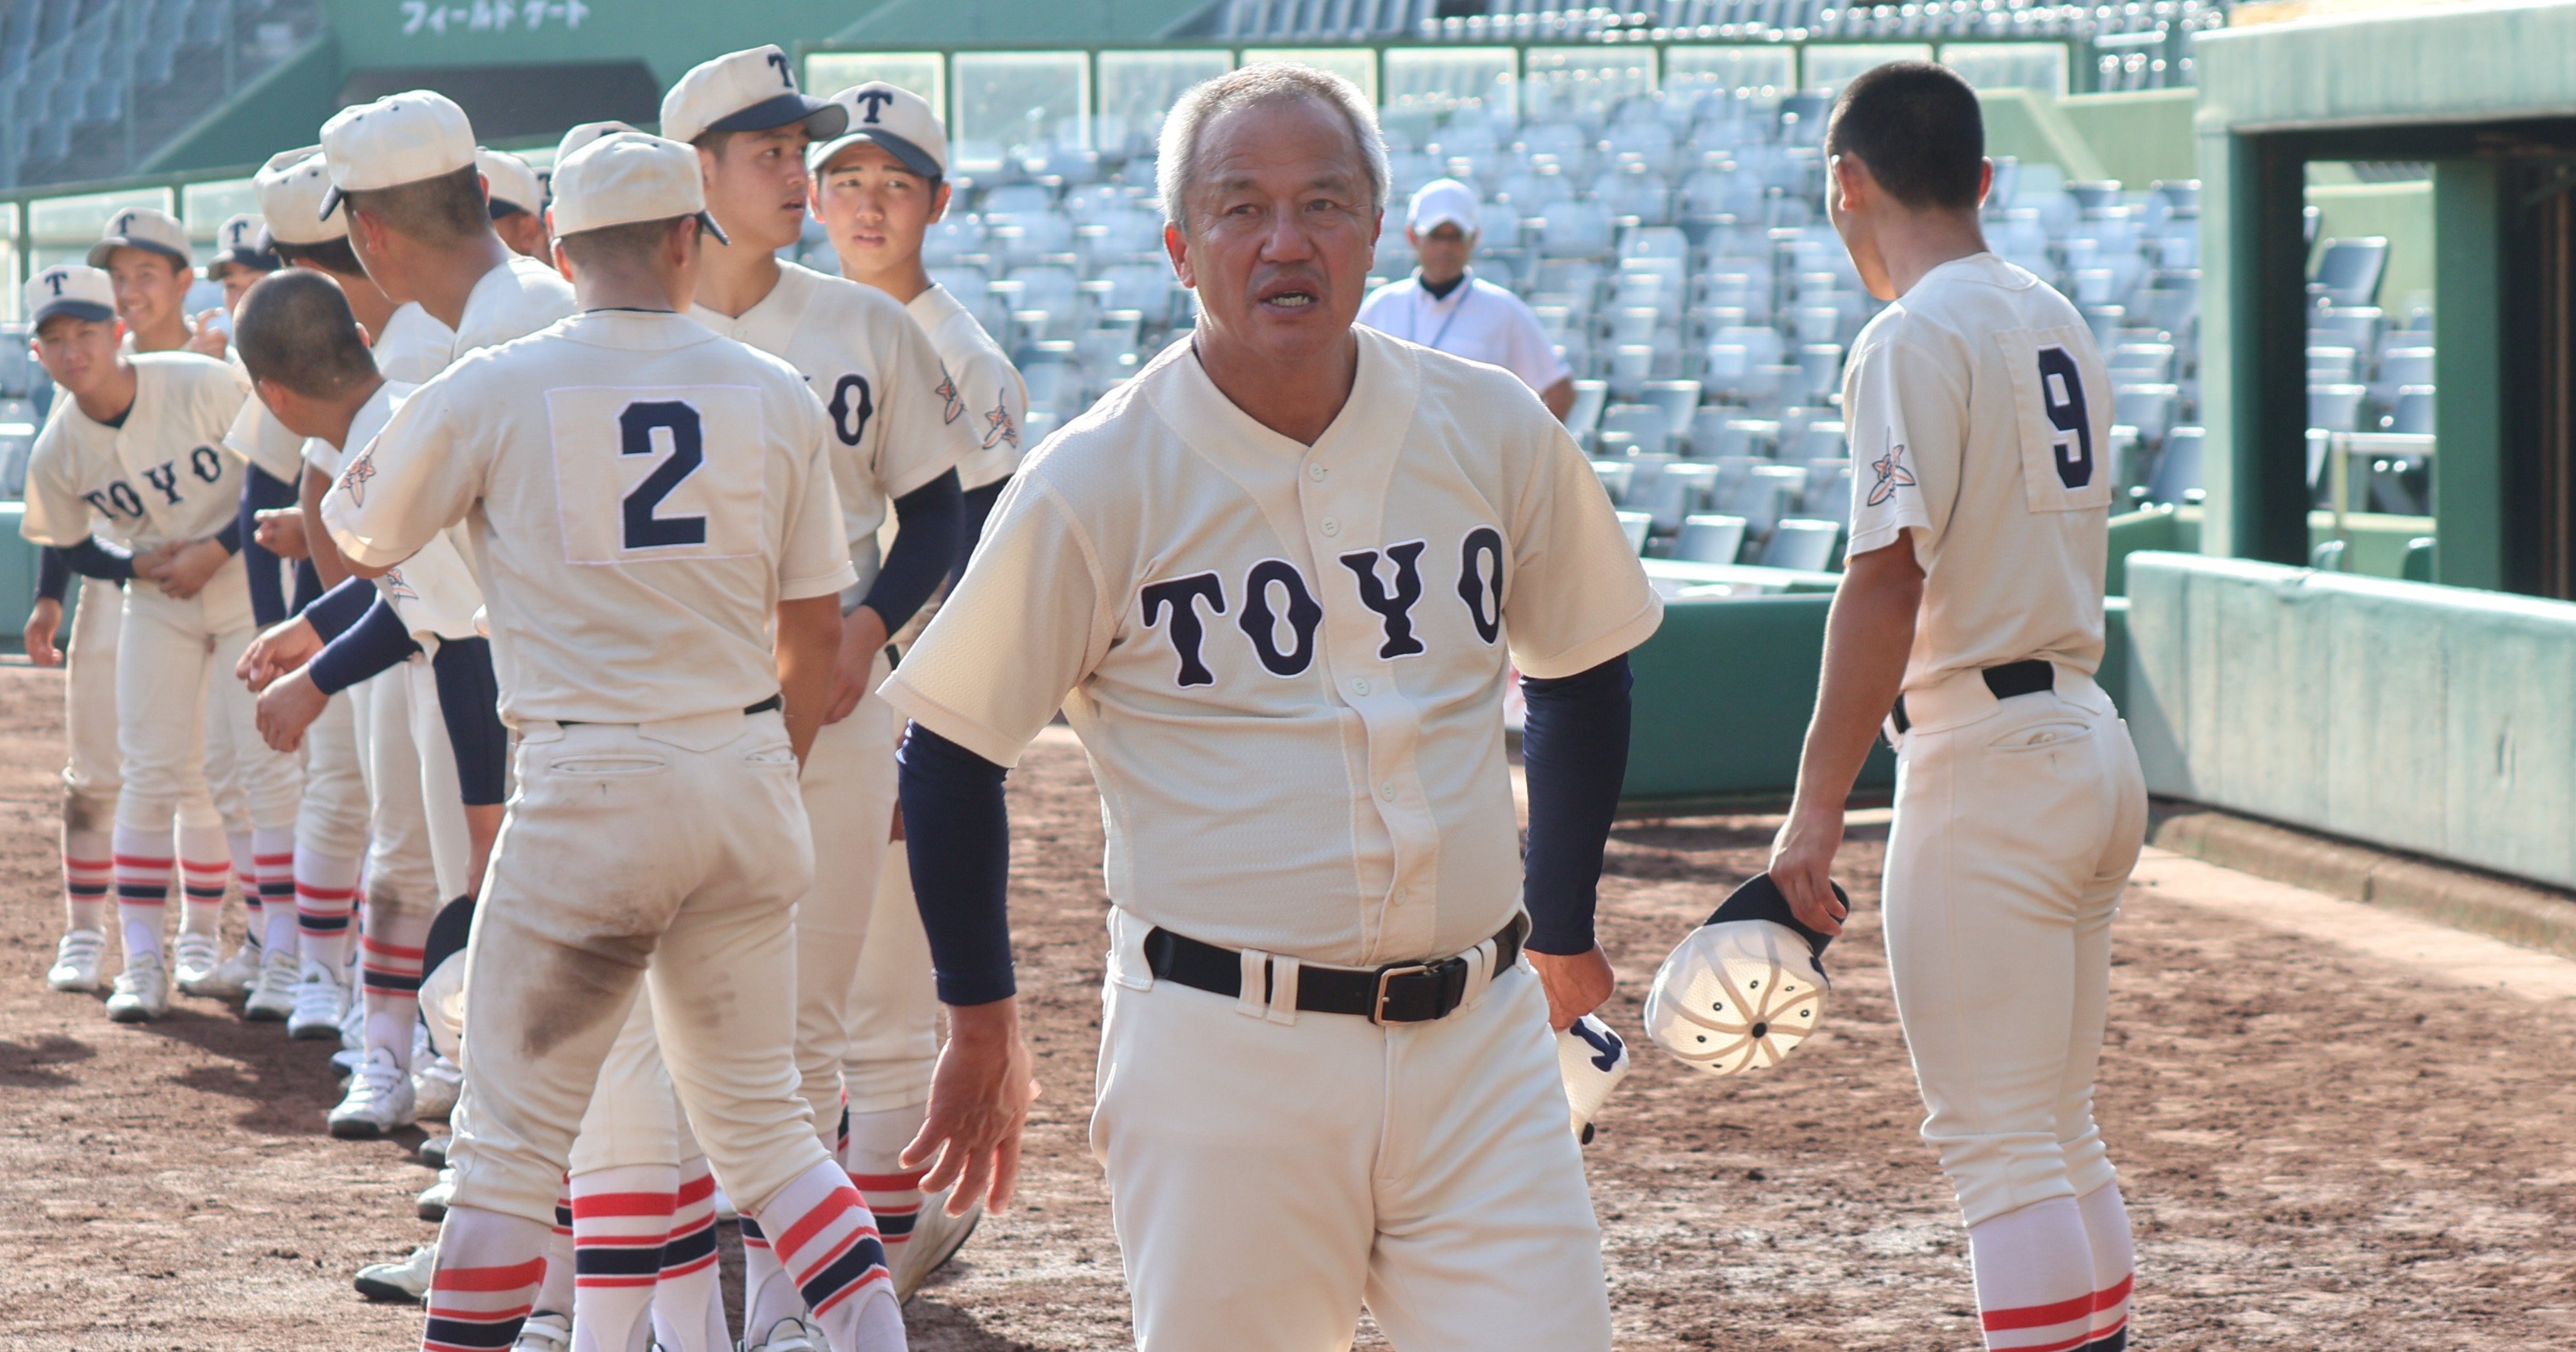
{"x":144,"y":251}
{"x":242,"y":256}
{"x":134,"y":454}
{"x":655,"y":838}
{"x":1445,"y":305}
{"x":878,"y":187}
{"x":893,"y":442}
{"x":518,"y":203}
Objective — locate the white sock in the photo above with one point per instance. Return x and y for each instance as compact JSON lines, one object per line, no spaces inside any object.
{"x":688,"y":1301}
{"x":620,"y":1217}
{"x":873,"y":1153}
{"x":205,"y":866}
{"x":142,"y":867}
{"x":834,"y":1256}
{"x":555,"y":1292}
{"x":2106,"y":1231}
{"x":241,"y":850}
{"x":768,"y":1293}
{"x":271,"y":895}
{"x":489,"y":1265}
{"x":2034,"y":1275}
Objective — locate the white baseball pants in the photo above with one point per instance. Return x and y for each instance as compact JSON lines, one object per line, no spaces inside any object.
{"x":1270,"y":1172}
{"x":667,"y":855}
{"x":849,"y":794}
{"x":93,"y":774}
{"x":634,"y":1115}
{"x":415,"y":797}
{"x":2016,"y":825}
{"x":170,"y":710}
{"x":333,"y":818}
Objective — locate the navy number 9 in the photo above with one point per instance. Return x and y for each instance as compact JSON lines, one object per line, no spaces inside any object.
{"x":2061,"y":388}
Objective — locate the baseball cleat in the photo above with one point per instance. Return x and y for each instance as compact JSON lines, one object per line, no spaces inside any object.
{"x":545,"y":1331}
{"x":1745,"y":988}
{"x":379,"y":1100}
{"x":432,"y":1202}
{"x":936,"y":1238}
{"x":435,"y":1086}
{"x":320,"y":1004}
{"x":273,"y":997}
{"x":433,"y":1150}
{"x":405,"y":1279}
{"x":196,"y":958}
{"x":142,"y":990}
{"x":76,"y":961}
{"x":1593,"y":1060}
{"x":238,"y":973}
{"x":788,"y":1335}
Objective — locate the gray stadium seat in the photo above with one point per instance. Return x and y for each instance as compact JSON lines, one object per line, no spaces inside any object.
{"x":1709,"y":538}
{"x":1802,"y":543}
{"x":2177,"y":476}
{"x":2348,"y":270}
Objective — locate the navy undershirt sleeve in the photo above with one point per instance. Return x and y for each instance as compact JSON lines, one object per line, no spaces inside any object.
{"x":53,"y":575}
{"x":925,"y":539}
{"x":308,"y":586}
{"x":469,"y":699}
{"x":372,"y":645}
{"x":89,"y":558}
{"x":957,"y":825}
{"x":262,"y":491}
{"x":342,"y":606}
{"x":1574,"y":746}
{"x":977,"y":506}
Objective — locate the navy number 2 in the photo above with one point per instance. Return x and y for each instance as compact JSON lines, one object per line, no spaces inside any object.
{"x":2061,"y":388}
{"x":644,"y":530}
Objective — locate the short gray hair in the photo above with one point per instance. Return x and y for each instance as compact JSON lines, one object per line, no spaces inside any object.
{"x":1176,"y":161}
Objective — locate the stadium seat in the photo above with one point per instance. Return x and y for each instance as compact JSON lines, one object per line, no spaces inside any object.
{"x":1590,"y":396}
{"x":2412,"y":413}
{"x":1647,"y":428}
{"x":1709,"y":538}
{"x":1803,"y":543}
{"x":2177,"y":475}
{"x":2335,"y":407}
{"x":2148,"y":408}
{"x":2348,"y":271}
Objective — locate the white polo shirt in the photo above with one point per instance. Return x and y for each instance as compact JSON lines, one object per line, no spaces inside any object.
{"x":1478,"y":320}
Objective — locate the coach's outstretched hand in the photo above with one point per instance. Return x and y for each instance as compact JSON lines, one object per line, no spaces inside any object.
{"x":979,"y":1105}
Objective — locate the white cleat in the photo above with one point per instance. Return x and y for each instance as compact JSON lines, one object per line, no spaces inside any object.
{"x":142,"y":990}
{"x":196,"y":958}
{"x":435,"y":1086}
{"x":936,"y":1238}
{"x":76,"y":961}
{"x":379,"y":1100}
{"x":405,"y":1279}
{"x":321,"y":1002}
{"x":272,"y":998}
{"x":433,"y":1150}
{"x":238,"y":973}
{"x":432,"y":1203}
{"x":788,"y":1335}
{"x":545,"y":1331}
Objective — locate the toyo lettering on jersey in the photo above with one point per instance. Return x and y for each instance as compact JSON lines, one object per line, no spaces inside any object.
{"x":1278,"y":609}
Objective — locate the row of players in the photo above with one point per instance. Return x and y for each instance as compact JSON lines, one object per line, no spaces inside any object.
{"x":246,"y":676}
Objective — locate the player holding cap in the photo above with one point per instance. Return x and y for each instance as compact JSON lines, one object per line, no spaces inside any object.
{"x":1970,"y":621}
{"x":882,"y":385}
{"x":135,"y":453}
{"x":656,"y":836}
{"x":1445,"y":305}
{"x":878,"y":187}
{"x":518,"y":203}
{"x":1325,"y":1075}
{"x":144,"y":251}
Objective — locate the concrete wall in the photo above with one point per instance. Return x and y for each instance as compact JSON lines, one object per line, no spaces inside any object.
{"x":2430,"y":719}
{"x":2139,"y":137}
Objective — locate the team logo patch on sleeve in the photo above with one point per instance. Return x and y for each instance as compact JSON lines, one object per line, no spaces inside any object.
{"x":1892,"y":475}
{"x":998,"y":426}
{"x":353,"y":480}
{"x":951,"y":407}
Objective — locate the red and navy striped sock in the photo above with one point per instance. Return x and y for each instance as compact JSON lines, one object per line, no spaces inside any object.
{"x":205,"y":869}
{"x":489,"y":1266}
{"x":89,"y":876}
{"x":271,"y":898}
{"x":2106,"y":1233}
{"x":688,"y":1302}
{"x":389,"y":970}
{"x":620,"y":1218}
{"x":326,"y":892}
{"x":2034,"y":1276}
{"x":142,"y":863}
{"x":821,"y":1232}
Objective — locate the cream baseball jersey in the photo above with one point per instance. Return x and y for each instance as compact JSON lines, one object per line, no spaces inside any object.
{"x":163,"y":475}
{"x":879,"y":383}
{"x":511,"y":301}
{"x":1287,"y":662}
{"x":985,"y":391}
{"x":1980,"y":417}
{"x":413,"y":347}
{"x":258,"y":437}
{"x":640,"y":495}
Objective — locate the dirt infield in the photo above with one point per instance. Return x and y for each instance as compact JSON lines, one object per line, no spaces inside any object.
{"x":2321,"y":1149}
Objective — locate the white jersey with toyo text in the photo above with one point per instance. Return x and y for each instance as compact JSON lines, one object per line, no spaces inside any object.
{"x":163,"y":474}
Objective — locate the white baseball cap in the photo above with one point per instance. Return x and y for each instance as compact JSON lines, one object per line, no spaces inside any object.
{"x":751,"y":90}
{"x":243,"y":240}
{"x":69,"y":289}
{"x":148,"y":228}
{"x":893,"y":117}
{"x":625,"y":177}
{"x":1443,"y":201}
{"x":400,"y":138}
{"x":291,"y":187}
{"x":586,"y":133}
{"x":510,"y":181}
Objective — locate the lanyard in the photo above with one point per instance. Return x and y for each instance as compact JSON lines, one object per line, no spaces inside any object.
{"x":1466,"y":288}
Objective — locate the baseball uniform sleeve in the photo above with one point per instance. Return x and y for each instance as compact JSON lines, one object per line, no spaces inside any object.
{"x":1024,"y":626}
{"x":56,"y":513}
{"x":1907,"y":417}
{"x":813,"y":554}
{"x":919,"y":444}
{"x":258,"y":437}
{"x":415,"y":479}
{"x":997,"y":407}
{"x":1574,"y":596}
{"x":1531,"y":356}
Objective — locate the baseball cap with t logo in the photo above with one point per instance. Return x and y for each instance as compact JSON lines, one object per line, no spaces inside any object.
{"x":751,"y":90}
{"x":145,"y":228}
{"x":895,"y":118}
{"x":626,"y":177}
{"x":69,"y":289}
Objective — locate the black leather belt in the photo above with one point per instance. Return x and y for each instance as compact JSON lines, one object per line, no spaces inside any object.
{"x":773,"y":702}
{"x":2026,"y":677}
{"x":1402,"y":992}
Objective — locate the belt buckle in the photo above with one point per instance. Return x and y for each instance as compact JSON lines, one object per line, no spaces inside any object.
{"x":1377,"y":1003}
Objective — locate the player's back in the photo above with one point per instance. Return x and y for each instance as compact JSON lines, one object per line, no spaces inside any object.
{"x":640,"y":489}
{"x":1979,"y":416}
